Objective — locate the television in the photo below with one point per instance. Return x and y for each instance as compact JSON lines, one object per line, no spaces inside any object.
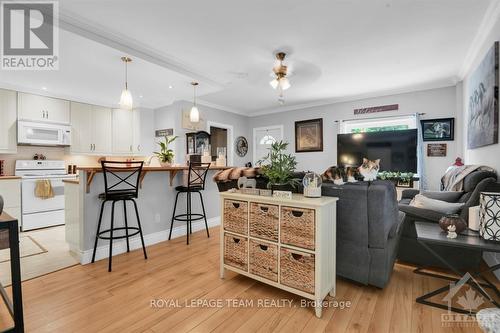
{"x":397,"y":150}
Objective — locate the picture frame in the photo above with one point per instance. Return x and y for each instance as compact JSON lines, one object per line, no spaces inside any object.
{"x":309,"y":135}
{"x":440,"y":129}
{"x":437,"y":149}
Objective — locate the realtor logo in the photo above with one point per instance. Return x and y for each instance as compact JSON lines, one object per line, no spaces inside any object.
{"x":29,"y":35}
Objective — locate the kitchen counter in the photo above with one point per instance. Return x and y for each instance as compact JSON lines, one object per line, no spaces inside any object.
{"x":172,"y":170}
{"x":71,"y":181}
{"x":9,"y":177}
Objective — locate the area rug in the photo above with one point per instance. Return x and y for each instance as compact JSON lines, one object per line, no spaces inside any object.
{"x":27,"y":247}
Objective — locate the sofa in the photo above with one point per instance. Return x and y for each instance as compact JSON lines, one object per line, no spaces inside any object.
{"x":412,"y":252}
{"x":368,"y":228}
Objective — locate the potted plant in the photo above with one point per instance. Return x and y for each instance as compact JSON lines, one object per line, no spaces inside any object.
{"x":278,"y":167}
{"x":166,"y":155}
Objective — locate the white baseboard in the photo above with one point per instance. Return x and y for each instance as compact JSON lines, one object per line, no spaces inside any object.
{"x":120,"y":246}
{"x":492,"y":259}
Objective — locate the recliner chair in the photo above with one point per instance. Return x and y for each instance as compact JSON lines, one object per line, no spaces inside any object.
{"x":411,"y":251}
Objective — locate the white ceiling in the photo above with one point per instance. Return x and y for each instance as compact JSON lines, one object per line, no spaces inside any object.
{"x":337,"y":49}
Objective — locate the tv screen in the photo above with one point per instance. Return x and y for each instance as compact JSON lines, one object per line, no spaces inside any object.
{"x":397,"y":150}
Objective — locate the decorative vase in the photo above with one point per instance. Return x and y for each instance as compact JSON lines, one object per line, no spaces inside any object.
{"x":165,"y":164}
{"x":453,"y":219}
{"x":489,"y":216}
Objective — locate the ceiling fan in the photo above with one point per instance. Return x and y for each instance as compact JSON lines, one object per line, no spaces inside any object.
{"x":280,"y":81}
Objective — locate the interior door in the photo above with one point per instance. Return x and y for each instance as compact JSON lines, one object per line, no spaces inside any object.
{"x":263,"y":138}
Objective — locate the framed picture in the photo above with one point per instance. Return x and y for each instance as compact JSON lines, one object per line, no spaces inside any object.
{"x":309,"y":135}
{"x":436,"y":149}
{"x":482,"y":108}
{"x":438,"y":129}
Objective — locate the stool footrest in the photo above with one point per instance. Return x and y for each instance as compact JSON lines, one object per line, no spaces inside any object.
{"x":136,"y":229}
{"x":184,"y":217}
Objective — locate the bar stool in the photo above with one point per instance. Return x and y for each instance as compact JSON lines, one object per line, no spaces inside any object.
{"x":196,"y":183}
{"x":121,"y":183}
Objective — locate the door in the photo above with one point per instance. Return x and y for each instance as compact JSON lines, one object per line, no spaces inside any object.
{"x":102,"y":129}
{"x":263,"y":137}
{"x":123,"y":136}
{"x":8,"y":117}
{"x":41,"y":108}
{"x":81,"y":123}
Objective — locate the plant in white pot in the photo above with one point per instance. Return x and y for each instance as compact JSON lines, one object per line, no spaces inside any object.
{"x":278,"y":167}
{"x":166,"y":155}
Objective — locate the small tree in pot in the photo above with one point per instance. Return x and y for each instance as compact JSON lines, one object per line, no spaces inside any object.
{"x":278,"y":167}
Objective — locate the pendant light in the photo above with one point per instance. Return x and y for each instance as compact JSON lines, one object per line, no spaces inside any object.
{"x":126,"y":101}
{"x":194,"y":115}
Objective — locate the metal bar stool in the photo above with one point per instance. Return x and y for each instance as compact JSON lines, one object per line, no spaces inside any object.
{"x":121,"y":183}
{"x":196,"y":183}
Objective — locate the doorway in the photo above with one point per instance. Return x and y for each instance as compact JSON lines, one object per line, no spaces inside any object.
{"x":222,"y":135}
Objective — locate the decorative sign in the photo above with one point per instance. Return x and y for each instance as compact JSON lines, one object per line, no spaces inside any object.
{"x":436,"y":149}
{"x":282,"y":194}
{"x":161,"y":133}
{"x":375,"y":109}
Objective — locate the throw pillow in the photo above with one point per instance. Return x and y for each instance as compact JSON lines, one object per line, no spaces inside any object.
{"x":440,"y":206}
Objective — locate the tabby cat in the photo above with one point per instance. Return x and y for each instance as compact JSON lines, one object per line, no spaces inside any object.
{"x":369,"y":169}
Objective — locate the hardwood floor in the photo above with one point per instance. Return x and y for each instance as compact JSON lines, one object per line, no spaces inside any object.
{"x":89,"y":299}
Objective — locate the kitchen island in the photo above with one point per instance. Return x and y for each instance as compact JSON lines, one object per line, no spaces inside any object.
{"x":156,"y":202}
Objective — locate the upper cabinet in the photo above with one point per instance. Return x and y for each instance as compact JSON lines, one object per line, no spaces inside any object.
{"x":123,"y":131}
{"x":8,"y":117}
{"x":42,"y":108}
{"x":91,"y":129}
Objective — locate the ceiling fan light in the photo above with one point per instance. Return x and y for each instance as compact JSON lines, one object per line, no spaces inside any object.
{"x":126,"y":101}
{"x":284,"y":83}
{"x":274,"y":83}
{"x":194,"y":114}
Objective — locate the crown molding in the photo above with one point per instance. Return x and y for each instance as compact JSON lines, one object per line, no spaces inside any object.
{"x":416,"y":88}
{"x":490,"y":18}
{"x":220,"y":107}
{"x":74,"y":24}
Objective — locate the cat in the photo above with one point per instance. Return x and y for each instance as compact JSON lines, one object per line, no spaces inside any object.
{"x":369,"y":169}
{"x":352,"y":174}
{"x":333,"y":174}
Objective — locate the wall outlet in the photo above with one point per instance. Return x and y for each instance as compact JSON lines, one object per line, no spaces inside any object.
{"x":157,"y":218}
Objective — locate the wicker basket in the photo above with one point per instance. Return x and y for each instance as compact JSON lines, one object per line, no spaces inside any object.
{"x":297,"y":227}
{"x":264,"y":221}
{"x":236,"y":216}
{"x":297,"y":270}
{"x":236,"y":251}
{"x":264,"y":260}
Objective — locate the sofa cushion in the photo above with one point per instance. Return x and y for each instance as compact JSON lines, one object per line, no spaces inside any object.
{"x":421,"y":201}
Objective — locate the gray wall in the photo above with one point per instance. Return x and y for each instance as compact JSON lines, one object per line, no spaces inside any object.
{"x":435,"y":103}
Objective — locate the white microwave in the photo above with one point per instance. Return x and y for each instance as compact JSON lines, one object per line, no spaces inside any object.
{"x":43,"y":134}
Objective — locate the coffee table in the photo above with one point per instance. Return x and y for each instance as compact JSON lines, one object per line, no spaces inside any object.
{"x":429,"y":235}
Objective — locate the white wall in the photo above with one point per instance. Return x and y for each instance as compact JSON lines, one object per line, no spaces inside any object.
{"x":435,"y":103}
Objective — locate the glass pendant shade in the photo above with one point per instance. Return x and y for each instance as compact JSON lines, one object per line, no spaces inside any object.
{"x":194,"y":115}
{"x":284,"y":83}
{"x":126,"y":101}
{"x":274,"y":83}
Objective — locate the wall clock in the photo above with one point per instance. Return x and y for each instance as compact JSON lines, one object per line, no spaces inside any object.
{"x":241,"y":146}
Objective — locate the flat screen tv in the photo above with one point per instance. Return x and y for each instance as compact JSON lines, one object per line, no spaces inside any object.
{"x":397,"y":150}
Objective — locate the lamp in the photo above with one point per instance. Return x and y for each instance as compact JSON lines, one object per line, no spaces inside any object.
{"x":194,"y":114}
{"x":126,"y":100}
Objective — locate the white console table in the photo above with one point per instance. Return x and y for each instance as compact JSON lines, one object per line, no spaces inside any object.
{"x":287,"y":243}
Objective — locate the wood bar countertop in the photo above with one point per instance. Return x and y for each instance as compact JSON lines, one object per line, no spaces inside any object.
{"x":172,"y":170}
{"x":9,"y":177}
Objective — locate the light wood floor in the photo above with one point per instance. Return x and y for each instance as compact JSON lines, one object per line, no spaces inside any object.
{"x":89,"y":299}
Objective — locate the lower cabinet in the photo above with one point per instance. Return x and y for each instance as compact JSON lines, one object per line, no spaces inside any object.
{"x":288,"y":244}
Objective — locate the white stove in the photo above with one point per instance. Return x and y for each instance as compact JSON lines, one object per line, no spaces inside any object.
{"x":38,"y":212}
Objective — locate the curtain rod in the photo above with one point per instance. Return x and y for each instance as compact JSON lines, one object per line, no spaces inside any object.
{"x":371,"y":118}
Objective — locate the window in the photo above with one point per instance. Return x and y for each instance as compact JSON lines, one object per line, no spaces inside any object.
{"x":263,"y":138}
{"x":378,"y":125}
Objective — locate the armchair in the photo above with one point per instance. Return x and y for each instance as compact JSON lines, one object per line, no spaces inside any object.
{"x":411,"y":251}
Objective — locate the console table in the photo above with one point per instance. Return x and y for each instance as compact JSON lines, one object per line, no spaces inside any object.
{"x":430,"y":234}
{"x":286,"y":243}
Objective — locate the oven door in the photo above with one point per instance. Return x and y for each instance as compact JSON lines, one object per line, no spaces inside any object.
{"x":33,"y":133}
{"x":32,"y":204}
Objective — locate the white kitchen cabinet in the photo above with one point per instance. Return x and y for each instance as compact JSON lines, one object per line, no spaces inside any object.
{"x":123,"y":131}
{"x":42,"y":108}
{"x":8,"y":117}
{"x":91,"y":129}
{"x":137,"y":146}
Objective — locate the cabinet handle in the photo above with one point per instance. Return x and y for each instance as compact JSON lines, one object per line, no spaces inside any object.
{"x":130,"y":147}
{"x":236,"y":205}
{"x":297,"y":213}
{"x":138,"y":147}
{"x":236,"y":240}
{"x":47,"y":113}
{"x":263,"y":247}
{"x":90,"y":146}
{"x":43,"y":114}
{"x":94,"y":146}
{"x":264,"y":208}
{"x":296,"y":256}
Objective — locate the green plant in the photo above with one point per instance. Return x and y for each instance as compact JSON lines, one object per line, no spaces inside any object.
{"x":278,"y":166}
{"x":166,"y":155}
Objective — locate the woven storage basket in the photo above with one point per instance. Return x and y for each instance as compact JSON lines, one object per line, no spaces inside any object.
{"x":264,"y":260}
{"x":297,"y":270}
{"x":236,"y":251}
{"x":297,"y":227}
{"x":236,"y":216}
{"x":264,"y":220}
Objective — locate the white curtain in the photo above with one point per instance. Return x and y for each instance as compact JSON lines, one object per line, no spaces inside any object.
{"x":420,"y":155}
